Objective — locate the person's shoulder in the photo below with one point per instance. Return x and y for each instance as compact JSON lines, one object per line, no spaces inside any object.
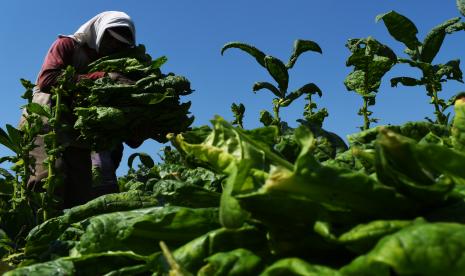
{"x":65,"y":41}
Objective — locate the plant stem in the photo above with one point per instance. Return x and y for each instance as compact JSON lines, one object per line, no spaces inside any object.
{"x":276,"y":114}
{"x":51,"y":178}
{"x":440,"y":118}
{"x":366,"y":124}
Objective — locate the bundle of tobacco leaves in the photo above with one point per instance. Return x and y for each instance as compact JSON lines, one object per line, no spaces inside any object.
{"x":110,"y":112}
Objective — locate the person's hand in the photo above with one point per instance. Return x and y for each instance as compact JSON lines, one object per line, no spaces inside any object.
{"x":120,"y":78}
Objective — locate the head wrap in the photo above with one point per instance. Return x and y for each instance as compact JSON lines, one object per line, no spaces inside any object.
{"x":92,"y":31}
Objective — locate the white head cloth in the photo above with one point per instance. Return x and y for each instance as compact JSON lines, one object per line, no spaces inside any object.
{"x":92,"y":31}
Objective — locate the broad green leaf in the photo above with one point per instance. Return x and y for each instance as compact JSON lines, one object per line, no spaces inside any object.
{"x":91,"y":264}
{"x":227,"y":145}
{"x":298,"y":267}
{"x":302,"y":46}
{"x":42,"y":110}
{"x":138,"y":230}
{"x":191,"y":255}
{"x":335,"y":186}
{"x":406,"y":81}
{"x":401,"y":28}
{"x":231,"y":213}
{"x":434,"y":40}
{"x":144,"y":158}
{"x":414,"y":168}
{"x":40,"y":237}
{"x":278,"y":71}
{"x":458,"y":125}
{"x":236,"y":262}
{"x":15,"y":136}
{"x":372,"y":60}
{"x":421,"y":249}
{"x":251,"y":50}
{"x":266,"y":85}
{"x":363,"y":237}
{"x":309,"y":88}
{"x":6,"y":141}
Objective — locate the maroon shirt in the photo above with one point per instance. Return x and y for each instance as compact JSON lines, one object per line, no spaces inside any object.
{"x":63,"y":52}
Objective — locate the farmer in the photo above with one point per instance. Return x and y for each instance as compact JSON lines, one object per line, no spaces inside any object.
{"x":107,"y":33}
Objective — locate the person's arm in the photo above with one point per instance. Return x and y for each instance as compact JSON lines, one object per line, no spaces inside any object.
{"x":59,"y":56}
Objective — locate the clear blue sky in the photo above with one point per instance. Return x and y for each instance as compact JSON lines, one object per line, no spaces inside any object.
{"x":191,"y":34}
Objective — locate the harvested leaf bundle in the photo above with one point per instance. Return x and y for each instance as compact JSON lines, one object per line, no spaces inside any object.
{"x":109,"y":112}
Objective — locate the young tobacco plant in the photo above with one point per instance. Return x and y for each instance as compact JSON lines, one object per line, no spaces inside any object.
{"x":421,"y":56}
{"x":238,"y":111}
{"x":280,"y":73}
{"x":371,"y":61}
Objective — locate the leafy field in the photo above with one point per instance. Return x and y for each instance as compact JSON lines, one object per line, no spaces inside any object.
{"x":226,"y":200}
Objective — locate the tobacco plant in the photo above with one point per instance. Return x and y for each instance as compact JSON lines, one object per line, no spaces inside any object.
{"x":421,"y":56}
{"x":371,"y":61}
{"x":238,"y":111}
{"x":280,"y":73}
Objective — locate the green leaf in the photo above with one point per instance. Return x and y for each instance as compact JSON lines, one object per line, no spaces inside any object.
{"x":144,"y":158}
{"x":302,"y":46}
{"x":296,"y":266}
{"x":138,"y":230}
{"x":372,"y":60}
{"x":451,"y":70}
{"x":309,"y":88}
{"x":237,"y":262}
{"x":335,"y":186}
{"x":15,"y":136}
{"x":232,"y":216}
{"x":266,"y":85}
{"x":401,"y":28}
{"x":278,"y":71}
{"x":6,"y":141}
{"x":251,"y":50}
{"x":227,"y":145}
{"x":159,"y":62}
{"x":406,"y":81}
{"x":266,"y":118}
{"x":39,"y":109}
{"x":191,"y":255}
{"x":461,"y":6}
{"x":459,"y":26}
{"x":458,"y":125}
{"x":434,"y":40}
{"x":409,"y":252}
{"x":29,"y":86}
